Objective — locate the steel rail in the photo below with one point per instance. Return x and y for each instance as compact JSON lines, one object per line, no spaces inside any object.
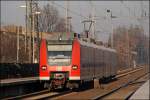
{"x":56,"y":95}
{"x":65,"y":92}
{"x":38,"y":94}
{"x":129,"y":72}
{"x":116,"y":89}
{"x":27,"y":95}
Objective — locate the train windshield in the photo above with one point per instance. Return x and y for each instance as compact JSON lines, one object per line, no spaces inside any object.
{"x":59,"y":55}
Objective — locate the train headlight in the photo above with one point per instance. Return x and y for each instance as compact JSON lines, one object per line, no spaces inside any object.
{"x":44,"y":67}
{"x":74,"y":67}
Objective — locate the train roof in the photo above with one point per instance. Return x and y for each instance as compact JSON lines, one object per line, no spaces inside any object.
{"x":96,"y":46}
{"x":88,"y":44}
{"x":59,"y":42}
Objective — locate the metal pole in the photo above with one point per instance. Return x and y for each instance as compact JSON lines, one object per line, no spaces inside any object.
{"x":128,"y":48}
{"x":28,"y":35}
{"x":38,"y":41}
{"x":26,"y":29}
{"x":69,"y":26}
{"x":93,"y":21}
{"x":84,"y":27}
{"x":33,"y":38}
{"x":17,"y":44}
{"x":94,"y":25}
{"x":109,"y":11}
{"x":30,"y":32}
{"x":31,"y":18}
{"x":112,"y":30}
{"x":67,"y":18}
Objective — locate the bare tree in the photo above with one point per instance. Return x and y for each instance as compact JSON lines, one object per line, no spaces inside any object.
{"x":48,"y":18}
{"x":128,"y":40}
{"x":60,"y":26}
{"x":50,"y":21}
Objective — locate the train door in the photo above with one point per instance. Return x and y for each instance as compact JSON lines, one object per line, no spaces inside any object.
{"x":92,"y":62}
{"x":96,"y":62}
{"x":100,"y":56}
{"x":83,"y":62}
{"x":103,"y":63}
{"x":114,"y":63}
{"x":89,"y":63}
{"x":110,"y":63}
{"x":106,"y":63}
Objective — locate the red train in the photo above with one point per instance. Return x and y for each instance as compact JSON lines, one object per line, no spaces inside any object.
{"x":68,"y":63}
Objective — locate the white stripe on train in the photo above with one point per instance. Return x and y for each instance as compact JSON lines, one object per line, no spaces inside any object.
{"x":74,"y":78}
{"x":44,"y":78}
{"x":70,"y":78}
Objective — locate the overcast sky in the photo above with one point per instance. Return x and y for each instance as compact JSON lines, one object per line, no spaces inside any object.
{"x":12,"y":14}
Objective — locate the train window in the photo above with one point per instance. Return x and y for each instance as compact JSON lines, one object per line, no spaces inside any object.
{"x":59,"y":47}
{"x":59,"y":55}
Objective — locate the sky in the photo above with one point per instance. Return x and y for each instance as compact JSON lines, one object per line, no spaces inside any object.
{"x":126,"y":12}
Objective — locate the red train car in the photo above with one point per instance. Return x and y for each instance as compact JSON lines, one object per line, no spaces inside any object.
{"x":68,"y":63}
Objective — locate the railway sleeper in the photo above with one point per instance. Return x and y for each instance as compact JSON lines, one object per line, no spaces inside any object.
{"x":73,"y":84}
{"x":106,"y":80}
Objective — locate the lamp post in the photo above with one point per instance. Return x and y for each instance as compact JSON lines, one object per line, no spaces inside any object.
{"x":33,"y":31}
{"x":69,"y":26}
{"x":25,"y":6}
{"x":109,"y":11}
{"x":111,"y":17}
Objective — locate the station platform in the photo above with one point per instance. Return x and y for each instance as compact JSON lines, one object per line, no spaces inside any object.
{"x":17,"y":81}
{"x":142,"y":93}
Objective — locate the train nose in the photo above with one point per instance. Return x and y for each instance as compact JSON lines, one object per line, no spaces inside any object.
{"x":59,"y":75}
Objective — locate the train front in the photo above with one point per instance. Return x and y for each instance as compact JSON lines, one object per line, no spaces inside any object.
{"x":55,"y":62}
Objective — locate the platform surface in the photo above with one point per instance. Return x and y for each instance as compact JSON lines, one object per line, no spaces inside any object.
{"x":16,"y":81}
{"x":142,"y":93}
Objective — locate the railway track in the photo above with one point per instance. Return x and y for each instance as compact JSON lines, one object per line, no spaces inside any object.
{"x":125,"y":80}
{"x":45,"y":94}
{"x":129,"y":69}
{"x":102,"y":96}
{"x":127,"y":72}
{"x":27,"y":95}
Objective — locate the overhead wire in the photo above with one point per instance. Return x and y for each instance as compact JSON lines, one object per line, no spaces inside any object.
{"x":71,"y":11}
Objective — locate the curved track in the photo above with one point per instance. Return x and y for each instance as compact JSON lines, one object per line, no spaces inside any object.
{"x":120,"y":87}
{"x":125,"y":80}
